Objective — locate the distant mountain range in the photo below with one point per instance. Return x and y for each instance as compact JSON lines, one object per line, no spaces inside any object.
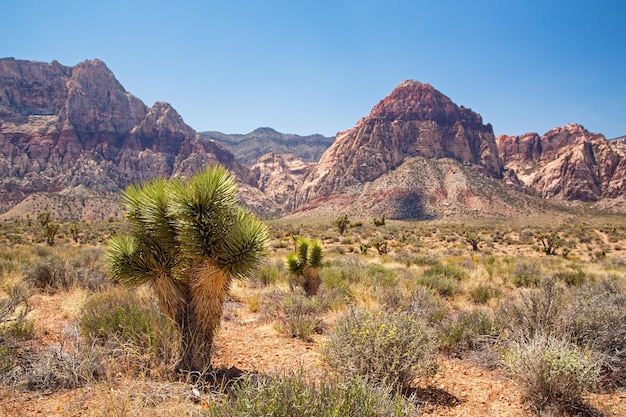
{"x":250,"y":147}
{"x":71,"y":138}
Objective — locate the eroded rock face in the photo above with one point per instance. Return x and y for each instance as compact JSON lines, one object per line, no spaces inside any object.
{"x":567,"y":163}
{"x":415,"y":120}
{"x":279,"y":175}
{"x":64,"y":128}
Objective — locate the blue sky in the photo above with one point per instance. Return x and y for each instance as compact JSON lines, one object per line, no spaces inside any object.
{"x":308,"y":67}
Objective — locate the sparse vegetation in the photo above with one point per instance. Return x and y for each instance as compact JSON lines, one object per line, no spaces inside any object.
{"x":506,"y":308}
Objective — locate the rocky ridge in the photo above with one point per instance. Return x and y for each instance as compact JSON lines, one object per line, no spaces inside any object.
{"x":250,"y":147}
{"x":78,"y":132}
{"x":567,"y":163}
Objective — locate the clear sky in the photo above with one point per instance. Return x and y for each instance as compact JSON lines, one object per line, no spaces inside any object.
{"x":308,"y":67}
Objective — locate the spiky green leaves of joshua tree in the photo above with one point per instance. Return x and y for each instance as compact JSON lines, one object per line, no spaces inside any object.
{"x":189,"y":238}
{"x":305,"y":264}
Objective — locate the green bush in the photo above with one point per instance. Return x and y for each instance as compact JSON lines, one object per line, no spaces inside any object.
{"x":551,"y":372}
{"x":294,"y":395}
{"x":390,"y":348}
{"x":422,"y":302}
{"x":572,"y":278}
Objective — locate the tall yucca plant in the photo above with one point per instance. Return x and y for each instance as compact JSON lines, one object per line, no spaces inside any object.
{"x":189,"y":239}
{"x":305,"y":264}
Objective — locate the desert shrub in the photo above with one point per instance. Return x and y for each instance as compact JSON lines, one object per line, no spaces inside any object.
{"x":467,"y":330}
{"x":299,"y":316}
{"x":551,"y":372}
{"x":572,"y":278}
{"x":421,"y":302}
{"x":483,"y":293}
{"x":598,"y":321}
{"x":50,"y":274}
{"x":443,"y":285}
{"x":272,"y":272}
{"x":379,"y":276}
{"x":534,"y":311}
{"x":294,"y":395}
{"x":134,"y":328}
{"x":389,"y":348}
{"x":526,"y":274}
{"x":446,"y":270}
{"x":424,"y":260}
{"x":71,"y":364}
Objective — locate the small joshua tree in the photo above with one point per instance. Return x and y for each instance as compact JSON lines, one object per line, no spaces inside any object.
{"x":379,"y":222}
{"x":551,"y":242}
{"x":305,"y":264}
{"x":342,"y":223}
{"x":49,"y":232}
{"x":473,"y":239}
{"x":74,"y":231}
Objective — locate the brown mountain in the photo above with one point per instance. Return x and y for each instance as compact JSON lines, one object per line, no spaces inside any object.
{"x":416,"y":154}
{"x":75,"y":131}
{"x":567,"y":163}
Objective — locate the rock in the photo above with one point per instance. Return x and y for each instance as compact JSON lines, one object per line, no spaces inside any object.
{"x":567,"y":163}
{"x":76,"y":128}
{"x":414,"y":121}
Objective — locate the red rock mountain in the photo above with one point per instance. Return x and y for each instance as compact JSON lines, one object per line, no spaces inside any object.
{"x":407,"y":134}
{"x":567,"y":163}
{"x":76,"y":130}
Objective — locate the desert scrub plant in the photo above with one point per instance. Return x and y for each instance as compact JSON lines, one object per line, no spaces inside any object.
{"x":271,"y":272}
{"x":392,"y":348}
{"x":534,"y":311}
{"x":299,"y":316}
{"x":598,"y":321}
{"x":443,"y":278}
{"x":295,"y":395}
{"x":305,"y":264}
{"x":526,"y":274}
{"x":552,"y":372}
{"x":132,"y":326}
{"x":467,"y":331}
{"x":484,"y":292}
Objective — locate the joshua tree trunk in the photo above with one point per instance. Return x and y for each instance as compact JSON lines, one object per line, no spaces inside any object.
{"x":311,"y":280}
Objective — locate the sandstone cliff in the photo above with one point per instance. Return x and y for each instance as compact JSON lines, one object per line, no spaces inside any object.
{"x":415,"y":124}
{"x":567,"y":163}
{"x":279,"y":176}
{"x":76,"y":130}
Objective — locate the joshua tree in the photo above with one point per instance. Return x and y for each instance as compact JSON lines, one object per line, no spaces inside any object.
{"x":74,"y":231}
{"x":50,"y":231}
{"x":189,"y":239}
{"x":342,"y":223}
{"x":550,"y":242}
{"x":473,"y":239}
{"x":380,"y":222}
{"x":305,"y":264}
